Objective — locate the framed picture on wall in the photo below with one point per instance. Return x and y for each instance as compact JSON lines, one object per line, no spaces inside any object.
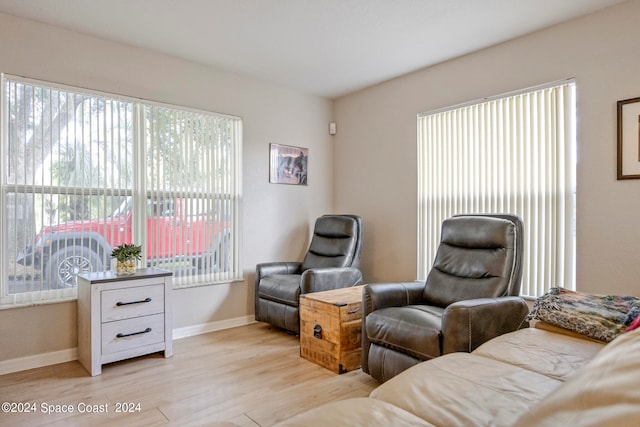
{"x":287,"y":164}
{"x":629,"y":139}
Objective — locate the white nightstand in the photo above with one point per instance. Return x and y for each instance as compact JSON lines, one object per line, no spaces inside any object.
{"x":120,"y":317}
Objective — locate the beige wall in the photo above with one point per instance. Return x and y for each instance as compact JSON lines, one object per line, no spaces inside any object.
{"x":375,"y":155}
{"x":277,"y":218}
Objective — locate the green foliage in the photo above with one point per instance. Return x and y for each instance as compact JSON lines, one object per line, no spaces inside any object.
{"x":127,"y":252}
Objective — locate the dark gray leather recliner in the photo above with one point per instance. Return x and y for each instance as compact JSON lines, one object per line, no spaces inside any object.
{"x":469,"y":297}
{"x":332,"y":262}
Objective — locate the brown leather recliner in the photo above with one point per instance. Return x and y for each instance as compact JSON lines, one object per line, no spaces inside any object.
{"x":332,"y":262}
{"x":469,"y":297}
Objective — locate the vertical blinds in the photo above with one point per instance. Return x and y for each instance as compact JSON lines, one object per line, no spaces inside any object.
{"x":514,"y":154}
{"x":84,"y":171}
{"x":199,"y":185}
{"x":66,"y":165}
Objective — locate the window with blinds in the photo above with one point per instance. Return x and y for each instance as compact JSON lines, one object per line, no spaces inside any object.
{"x":515,"y":154}
{"x":84,"y":171}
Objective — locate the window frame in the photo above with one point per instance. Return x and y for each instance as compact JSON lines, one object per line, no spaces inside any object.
{"x":139,"y":192}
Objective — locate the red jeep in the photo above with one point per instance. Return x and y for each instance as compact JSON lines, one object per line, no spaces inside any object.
{"x":180,"y":234}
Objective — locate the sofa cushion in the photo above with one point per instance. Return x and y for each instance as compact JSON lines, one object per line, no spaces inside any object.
{"x":604,"y":392}
{"x":462,"y":389}
{"x":412,"y":329}
{"x":602,"y":317}
{"x":547,"y":353}
{"x":356,"y":412}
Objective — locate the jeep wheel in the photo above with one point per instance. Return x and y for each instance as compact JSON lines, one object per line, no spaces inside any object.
{"x":66,"y":263}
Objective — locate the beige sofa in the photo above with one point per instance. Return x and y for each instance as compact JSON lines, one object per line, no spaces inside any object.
{"x":530,"y":377}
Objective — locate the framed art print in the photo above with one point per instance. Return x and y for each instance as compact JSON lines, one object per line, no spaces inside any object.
{"x":629,"y":139}
{"x":287,"y":164}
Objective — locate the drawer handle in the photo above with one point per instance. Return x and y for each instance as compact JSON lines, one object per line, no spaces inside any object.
{"x":133,"y":333}
{"x":119,"y":303}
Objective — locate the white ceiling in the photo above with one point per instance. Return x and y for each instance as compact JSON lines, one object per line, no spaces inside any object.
{"x":325,"y":47}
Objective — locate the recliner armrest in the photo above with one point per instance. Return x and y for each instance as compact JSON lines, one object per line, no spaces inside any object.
{"x":381,"y":295}
{"x":325,"y":279}
{"x":468,"y":324}
{"x":270,"y":268}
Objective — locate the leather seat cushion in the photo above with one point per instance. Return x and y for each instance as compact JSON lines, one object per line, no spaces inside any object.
{"x":554,"y":355}
{"x":412,"y":329}
{"x":282,"y":288}
{"x":462,"y":389}
{"x":356,"y":412}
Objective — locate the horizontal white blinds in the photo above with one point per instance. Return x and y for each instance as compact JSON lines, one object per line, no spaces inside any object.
{"x":514,"y":154}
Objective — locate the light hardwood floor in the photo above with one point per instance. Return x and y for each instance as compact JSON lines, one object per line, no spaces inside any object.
{"x":247,"y":376}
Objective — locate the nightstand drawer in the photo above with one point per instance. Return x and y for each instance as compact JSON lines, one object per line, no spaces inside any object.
{"x":131,"y":333}
{"x":132,"y":302}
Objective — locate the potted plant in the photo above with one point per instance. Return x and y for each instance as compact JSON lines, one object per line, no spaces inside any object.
{"x":126,"y":256}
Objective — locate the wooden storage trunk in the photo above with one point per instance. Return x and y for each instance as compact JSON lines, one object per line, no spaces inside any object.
{"x":330,"y":328}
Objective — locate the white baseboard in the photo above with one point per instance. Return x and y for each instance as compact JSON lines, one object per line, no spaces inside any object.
{"x":204,"y":328}
{"x":71,"y":354}
{"x":38,"y":360}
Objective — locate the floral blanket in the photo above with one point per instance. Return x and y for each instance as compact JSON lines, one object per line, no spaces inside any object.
{"x":602,"y":317}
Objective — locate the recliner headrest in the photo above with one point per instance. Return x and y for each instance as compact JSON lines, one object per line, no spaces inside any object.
{"x":478,"y":232}
{"x":335,"y":226}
